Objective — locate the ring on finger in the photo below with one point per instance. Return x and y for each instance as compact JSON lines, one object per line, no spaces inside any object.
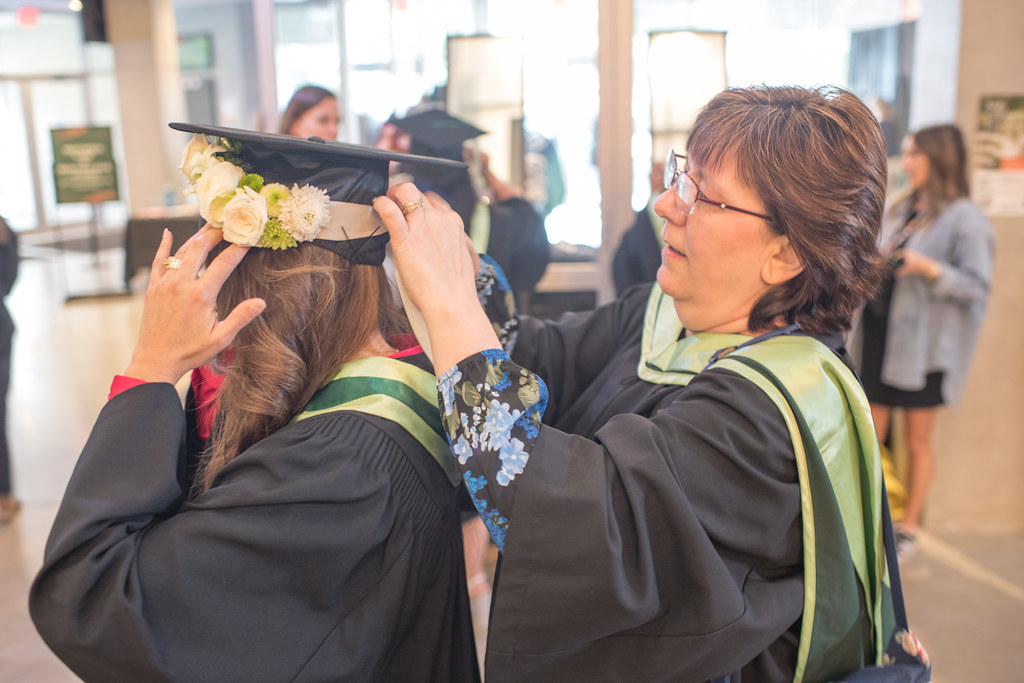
{"x":171,"y":263}
{"x":411,"y":206}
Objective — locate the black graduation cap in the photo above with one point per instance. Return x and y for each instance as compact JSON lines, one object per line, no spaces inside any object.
{"x":314,"y":190}
{"x":436,"y":133}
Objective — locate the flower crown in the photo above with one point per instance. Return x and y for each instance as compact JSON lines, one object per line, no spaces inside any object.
{"x":250,"y":211}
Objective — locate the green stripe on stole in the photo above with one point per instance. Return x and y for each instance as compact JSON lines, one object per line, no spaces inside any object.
{"x":394,"y":390}
{"x":839,"y":472}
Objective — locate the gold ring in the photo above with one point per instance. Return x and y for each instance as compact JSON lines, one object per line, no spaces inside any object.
{"x":171,"y":263}
{"x":411,"y":206}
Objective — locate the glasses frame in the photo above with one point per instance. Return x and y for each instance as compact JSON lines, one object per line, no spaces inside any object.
{"x":676,"y":176}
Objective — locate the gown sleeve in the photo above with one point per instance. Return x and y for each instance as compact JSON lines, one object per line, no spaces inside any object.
{"x":676,"y":535}
{"x":302,"y":562}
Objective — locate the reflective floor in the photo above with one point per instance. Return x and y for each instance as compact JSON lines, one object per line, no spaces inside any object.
{"x":965,"y":592}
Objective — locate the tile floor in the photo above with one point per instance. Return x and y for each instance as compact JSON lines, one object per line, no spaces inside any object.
{"x":965,"y":592}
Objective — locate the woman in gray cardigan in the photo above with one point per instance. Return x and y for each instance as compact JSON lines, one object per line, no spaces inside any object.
{"x":919,"y":332}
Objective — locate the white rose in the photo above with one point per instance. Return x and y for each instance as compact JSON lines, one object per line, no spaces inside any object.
{"x":198,"y":156}
{"x":245,"y":216}
{"x":219,"y":178}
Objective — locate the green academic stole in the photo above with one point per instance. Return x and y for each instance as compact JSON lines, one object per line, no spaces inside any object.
{"x":839,"y":472}
{"x":392,"y":389}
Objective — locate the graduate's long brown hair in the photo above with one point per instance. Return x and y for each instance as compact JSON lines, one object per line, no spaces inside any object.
{"x":322,"y":311}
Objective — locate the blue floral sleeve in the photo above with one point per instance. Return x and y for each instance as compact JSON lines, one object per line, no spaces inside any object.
{"x":491,"y":409}
{"x":497,"y":301}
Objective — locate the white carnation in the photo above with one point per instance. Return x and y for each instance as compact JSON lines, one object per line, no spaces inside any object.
{"x":219,"y":178}
{"x":245,"y":216}
{"x":305,"y":212}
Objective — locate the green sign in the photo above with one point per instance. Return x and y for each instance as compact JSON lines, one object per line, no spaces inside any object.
{"x":83,"y":165}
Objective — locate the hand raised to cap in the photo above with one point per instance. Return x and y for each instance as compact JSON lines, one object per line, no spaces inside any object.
{"x":180,"y":329}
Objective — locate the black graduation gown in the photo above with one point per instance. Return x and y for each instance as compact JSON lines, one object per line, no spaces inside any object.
{"x":519,"y":243}
{"x":655,"y":532}
{"x":329,"y":551}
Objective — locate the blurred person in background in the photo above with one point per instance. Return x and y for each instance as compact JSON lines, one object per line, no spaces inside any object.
{"x":638,"y":255}
{"x":498,"y":220}
{"x":311,"y":111}
{"x":9,"y":259}
{"x":915,"y":338}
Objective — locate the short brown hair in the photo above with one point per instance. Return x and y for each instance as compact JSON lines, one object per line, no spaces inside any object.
{"x":816,"y":159}
{"x":321,"y":311}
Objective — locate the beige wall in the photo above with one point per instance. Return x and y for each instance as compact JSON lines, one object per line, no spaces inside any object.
{"x":980,"y":443}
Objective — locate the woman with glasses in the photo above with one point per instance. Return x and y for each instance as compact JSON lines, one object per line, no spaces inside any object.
{"x":684,"y":484}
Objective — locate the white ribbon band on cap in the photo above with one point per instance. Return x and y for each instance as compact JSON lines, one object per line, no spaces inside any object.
{"x":416,"y":321}
{"x":351,"y":221}
{"x":360,"y":220}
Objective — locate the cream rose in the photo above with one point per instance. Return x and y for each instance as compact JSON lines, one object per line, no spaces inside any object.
{"x":198,"y":156}
{"x":219,"y":178}
{"x":245,"y":216}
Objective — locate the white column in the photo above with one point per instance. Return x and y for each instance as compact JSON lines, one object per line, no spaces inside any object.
{"x":614,"y":130}
{"x":145,"y":44}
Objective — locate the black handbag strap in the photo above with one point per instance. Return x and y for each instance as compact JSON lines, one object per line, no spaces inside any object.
{"x":892,"y":562}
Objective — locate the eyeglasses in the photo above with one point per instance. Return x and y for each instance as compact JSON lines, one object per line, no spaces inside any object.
{"x":687,"y":190}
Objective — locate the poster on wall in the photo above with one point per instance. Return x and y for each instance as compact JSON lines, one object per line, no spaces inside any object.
{"x":83,"y":165}
{"x":998,"y":180}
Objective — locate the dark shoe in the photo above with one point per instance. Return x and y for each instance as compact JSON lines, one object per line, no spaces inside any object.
{"x":906,"y":541}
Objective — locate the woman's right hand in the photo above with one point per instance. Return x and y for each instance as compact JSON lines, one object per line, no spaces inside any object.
{"x":180,"y":329}
{"x":435,"y":260}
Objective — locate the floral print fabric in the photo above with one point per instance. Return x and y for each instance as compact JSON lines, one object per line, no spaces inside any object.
{"x":491,"y":410}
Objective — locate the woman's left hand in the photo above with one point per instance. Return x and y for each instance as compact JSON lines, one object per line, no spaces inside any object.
{"x":916,"y":263}
{"x":180,"y":329}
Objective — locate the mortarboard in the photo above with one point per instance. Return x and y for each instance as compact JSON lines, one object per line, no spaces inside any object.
{"x":270,"y":190}
{"x":436,"y":133}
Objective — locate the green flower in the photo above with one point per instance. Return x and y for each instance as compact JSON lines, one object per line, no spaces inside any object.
{"x":274,"y":193}
{"x":275,"y":236}
{"x":253,"y":180}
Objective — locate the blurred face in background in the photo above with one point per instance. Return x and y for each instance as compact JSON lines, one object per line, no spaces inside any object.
{"x":321,"y":120}
{"x":914,"y":162}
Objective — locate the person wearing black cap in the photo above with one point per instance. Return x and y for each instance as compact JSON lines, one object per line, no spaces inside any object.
{"x":500,"y":222}
{"x":320,"y":539}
